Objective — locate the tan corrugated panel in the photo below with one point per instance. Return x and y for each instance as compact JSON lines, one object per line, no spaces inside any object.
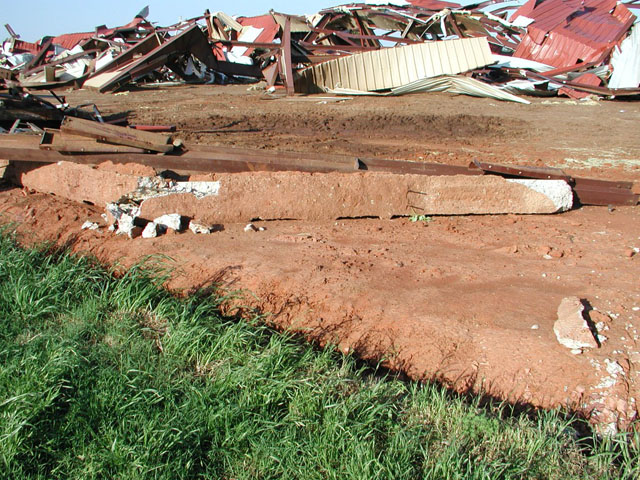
{"x":393,"y":67}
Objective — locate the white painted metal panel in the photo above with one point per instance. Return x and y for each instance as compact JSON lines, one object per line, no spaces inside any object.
{"x":392,"y":67}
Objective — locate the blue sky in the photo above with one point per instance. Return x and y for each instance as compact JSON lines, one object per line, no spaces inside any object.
{"x":34,"y":19}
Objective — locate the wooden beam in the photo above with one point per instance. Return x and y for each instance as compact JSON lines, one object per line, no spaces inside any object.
{"x":63,"y":142}
{"x":286,"y":57}
{"x":60,"y":61}
{"x":117,"y":135}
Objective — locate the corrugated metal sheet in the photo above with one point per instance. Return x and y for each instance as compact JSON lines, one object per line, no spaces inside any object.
{"x":626,"y":62}
{"x":20,"y":46}
{"x":70,"y":40}
{"x":566,"y":32}
{"x":392,"y":67}
{"x":459,"y":85}
{"x":434,"y":4}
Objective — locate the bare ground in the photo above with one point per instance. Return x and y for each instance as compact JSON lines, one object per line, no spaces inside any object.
{"x":469,"y":301}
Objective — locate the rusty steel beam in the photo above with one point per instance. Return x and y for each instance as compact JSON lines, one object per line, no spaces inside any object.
{"x":238,"y":43}
{"x":346,"y":48}
{"x":212,"y":159}
{"x":35,"y":61}
{"x":588,"y":191}
{"x":286,"y":57}
{"x":546,"y":173}
{"x":117,"y":135}
{"x":368,"y":37}
{"x":616,"y":92}
{"x":225,"y":160}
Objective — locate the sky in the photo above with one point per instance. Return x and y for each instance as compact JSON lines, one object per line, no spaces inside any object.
{"x":35,"y":19}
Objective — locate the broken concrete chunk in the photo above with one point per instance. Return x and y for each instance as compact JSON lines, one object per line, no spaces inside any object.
{"x":89,"y":225}
{"x":172,"y":221}
{"x":126,"y":225}
{"x":152,"y":187}
{"x":571,"y":328}
{"x":197,"y":189}
{"x":80,"y":183}
{"x":150,"y":231}
{"x":198,"y":228}
{"x":558,"y":191}
{"x":124,"y":216}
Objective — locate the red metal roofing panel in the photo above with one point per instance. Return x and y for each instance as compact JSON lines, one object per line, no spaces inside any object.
{"x":566,"y":32}
{"x":268,"y":25}
{"x":525,"y":10}
{"x":20,"y":46}
{"x":70,"y":40}
{"x":266,"y":22}
{"x":434,"y":4}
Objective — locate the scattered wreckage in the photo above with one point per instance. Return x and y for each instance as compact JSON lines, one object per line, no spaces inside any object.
{"x":497,"y":49}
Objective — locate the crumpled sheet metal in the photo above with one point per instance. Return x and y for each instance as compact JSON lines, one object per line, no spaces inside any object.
{"x":457,"y":84}
{"x":393,"y":67}
{"x":568,"y":32}
{"x":626,"y":62}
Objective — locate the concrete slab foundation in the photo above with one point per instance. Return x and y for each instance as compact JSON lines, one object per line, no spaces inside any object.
{"x":241,"y":197}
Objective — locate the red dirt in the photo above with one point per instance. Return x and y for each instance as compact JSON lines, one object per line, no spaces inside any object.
{"x":454,"y":299}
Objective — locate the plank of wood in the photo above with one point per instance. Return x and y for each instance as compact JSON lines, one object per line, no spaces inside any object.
{"x":117,"y":135}
{"x":286,"y":58}
{"x":64,"y":142}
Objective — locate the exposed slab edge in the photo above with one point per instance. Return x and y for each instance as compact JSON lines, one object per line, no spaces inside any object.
{"x":325,"y":197}
{"x":558,"y":191}
{"x":304,"y":196}
{"x":80,"y":183}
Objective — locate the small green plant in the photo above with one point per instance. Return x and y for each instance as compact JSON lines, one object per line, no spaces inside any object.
{"x":420,"y":218}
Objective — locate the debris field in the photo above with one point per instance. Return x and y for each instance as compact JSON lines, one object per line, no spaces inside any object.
{"x":334,"y":172}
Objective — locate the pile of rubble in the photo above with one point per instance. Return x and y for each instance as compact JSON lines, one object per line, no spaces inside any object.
{"x":491,"y":48}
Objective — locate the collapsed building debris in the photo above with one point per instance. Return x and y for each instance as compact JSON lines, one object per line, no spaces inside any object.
{"x":574,"y":47}
{"x":19,"y":105}
{"x":390,"y":68}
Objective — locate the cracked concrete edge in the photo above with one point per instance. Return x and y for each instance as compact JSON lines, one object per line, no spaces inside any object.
{"x":558,"y":191}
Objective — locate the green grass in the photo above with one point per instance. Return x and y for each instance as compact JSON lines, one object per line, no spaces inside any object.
{"x":105,"y":377}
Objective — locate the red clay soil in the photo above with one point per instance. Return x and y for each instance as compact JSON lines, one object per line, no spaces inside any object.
{"x":468,"y":300}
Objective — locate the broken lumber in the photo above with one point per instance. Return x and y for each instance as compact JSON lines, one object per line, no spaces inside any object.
{"x":65,"y":142}
{"x":117,"y":135}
